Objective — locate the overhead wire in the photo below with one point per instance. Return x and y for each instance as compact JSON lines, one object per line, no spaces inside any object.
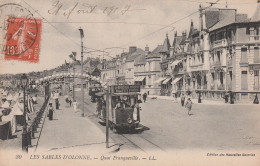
{"x":141,"y":38}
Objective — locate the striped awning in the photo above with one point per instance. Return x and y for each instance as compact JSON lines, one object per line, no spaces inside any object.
{"x":176,"y":62}
{"x":176,"y":80}
{"x":166,"y":81}
{"x":159,"y":80}
{"x":139,"y":79}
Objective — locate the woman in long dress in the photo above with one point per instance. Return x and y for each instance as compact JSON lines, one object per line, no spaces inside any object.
{"x":51,"y":112}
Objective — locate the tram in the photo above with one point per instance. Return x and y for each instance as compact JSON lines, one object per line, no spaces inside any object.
{"x":122,"y":103}
{"x":92,"y":92}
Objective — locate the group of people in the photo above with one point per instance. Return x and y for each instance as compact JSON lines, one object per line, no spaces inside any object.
{"x":68,"y":100}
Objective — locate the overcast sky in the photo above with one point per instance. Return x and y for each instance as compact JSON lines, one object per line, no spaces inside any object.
{"x":131,"y":23}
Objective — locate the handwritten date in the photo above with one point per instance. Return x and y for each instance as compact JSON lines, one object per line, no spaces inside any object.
{"x":85,"y":8}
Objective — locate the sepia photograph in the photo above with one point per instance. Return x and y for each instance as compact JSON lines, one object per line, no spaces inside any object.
{"x":129,"y":82}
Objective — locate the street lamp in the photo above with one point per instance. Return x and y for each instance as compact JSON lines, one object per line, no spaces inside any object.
{"x":24,"y":83}
{"x":73,"y":57}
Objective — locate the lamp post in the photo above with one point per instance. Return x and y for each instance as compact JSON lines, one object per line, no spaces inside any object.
{"x":24,"y":82}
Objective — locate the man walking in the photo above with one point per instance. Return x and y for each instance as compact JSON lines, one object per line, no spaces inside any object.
{"x":182,"y":100}
{"x":144,"y":96}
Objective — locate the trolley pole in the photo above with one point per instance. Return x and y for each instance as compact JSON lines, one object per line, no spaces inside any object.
{"x":82,"y":89}
{"x":107,"y":117}
{"x":73,"y":88}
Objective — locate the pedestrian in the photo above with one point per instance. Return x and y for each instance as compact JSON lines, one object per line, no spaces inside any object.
{"x":75,"y":105}
{"x":226,"y":97}
{"x":188,"y":105}
{"x":67,"y":100}
{"x":144,"y":96}
{"x":70,"y":101}
{"x":256,"y":101}
{"x":57,"y":103}
{"x":182,"y":100}
{"x":51,"y":110}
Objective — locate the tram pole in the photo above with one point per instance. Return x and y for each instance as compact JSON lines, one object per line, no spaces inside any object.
{"x":107,"y":117}
{"x":82,"y":88}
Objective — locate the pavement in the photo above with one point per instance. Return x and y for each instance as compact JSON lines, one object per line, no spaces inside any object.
{"x":69,"y":132}
{"x":195,"y":101}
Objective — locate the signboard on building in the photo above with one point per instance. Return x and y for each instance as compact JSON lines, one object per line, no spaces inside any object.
{"x":125,"y":88}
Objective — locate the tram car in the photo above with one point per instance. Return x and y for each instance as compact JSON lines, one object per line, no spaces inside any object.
{"x":92,"y":92}
{"x":122,"y":103}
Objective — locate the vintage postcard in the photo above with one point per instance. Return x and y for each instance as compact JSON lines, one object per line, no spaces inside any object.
{"x":129,"y":82}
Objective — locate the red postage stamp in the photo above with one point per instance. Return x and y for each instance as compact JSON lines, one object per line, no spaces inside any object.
{"x":23,"y":39}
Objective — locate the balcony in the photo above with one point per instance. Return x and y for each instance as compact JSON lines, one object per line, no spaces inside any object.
{"x":229,"y":62}
{"x":211,"y":64}
{"x":219,"y":43}
{"x":212,"y":87}
{"x":221,"y":87}
{"x":230,"y":87}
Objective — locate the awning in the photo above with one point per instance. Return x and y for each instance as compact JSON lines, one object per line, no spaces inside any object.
{"x":159,"y":80}
{"x":135,"y":78}
{"x":166,"y":81}
{"x":139,"y":79}
{"x":174,"y":63}
{"x":176,"y":80}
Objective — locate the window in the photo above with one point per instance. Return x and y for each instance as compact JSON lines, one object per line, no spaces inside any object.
{"x":244,"y":80}
{"x":202,"y":58}
{"x":243,"y":55}
{"x":256,"y":80}
{"x":256,"y":32}
{"x":248,"y":30}
{"x":218,"y":55}
{"x":221,"y":78}
{"x":256,"y":55}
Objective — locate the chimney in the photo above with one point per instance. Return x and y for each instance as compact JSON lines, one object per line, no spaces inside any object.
{"x":175,"y":35}
{"x":146,"y":50}
{"x":132,"y":49}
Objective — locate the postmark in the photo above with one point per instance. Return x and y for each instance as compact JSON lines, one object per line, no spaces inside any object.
{"x":20,"y":33}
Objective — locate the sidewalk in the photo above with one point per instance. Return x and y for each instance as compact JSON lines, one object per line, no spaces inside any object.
{"x":69,"y":132}
{"x":195,"y":101}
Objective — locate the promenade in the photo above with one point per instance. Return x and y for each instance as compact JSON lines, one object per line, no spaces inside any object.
{"x":72,"y":133}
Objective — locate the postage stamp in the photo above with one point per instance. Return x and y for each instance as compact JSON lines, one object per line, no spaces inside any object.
{"x":21,"y":34}
{"x":22,"y":39}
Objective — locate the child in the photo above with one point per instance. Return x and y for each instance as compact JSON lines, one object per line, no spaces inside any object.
{"x":188,"y":105}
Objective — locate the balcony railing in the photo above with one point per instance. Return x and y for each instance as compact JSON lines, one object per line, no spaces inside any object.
{"x":212,"y":86}
{"x":229,"y":62}
{"x":217,"y":63}
{"x":221,"y":87}
{"x":229,"y":87}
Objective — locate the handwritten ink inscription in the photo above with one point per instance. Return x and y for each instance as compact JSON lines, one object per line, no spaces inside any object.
{"x":84,"y":8}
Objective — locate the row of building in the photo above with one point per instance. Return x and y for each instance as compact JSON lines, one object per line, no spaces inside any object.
{"x":219,"y":56}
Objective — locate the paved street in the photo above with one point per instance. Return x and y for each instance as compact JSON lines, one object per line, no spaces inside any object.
{"x":218,"y":127}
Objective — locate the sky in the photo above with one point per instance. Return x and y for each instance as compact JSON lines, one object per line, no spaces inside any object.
{"x":106,"y":24}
